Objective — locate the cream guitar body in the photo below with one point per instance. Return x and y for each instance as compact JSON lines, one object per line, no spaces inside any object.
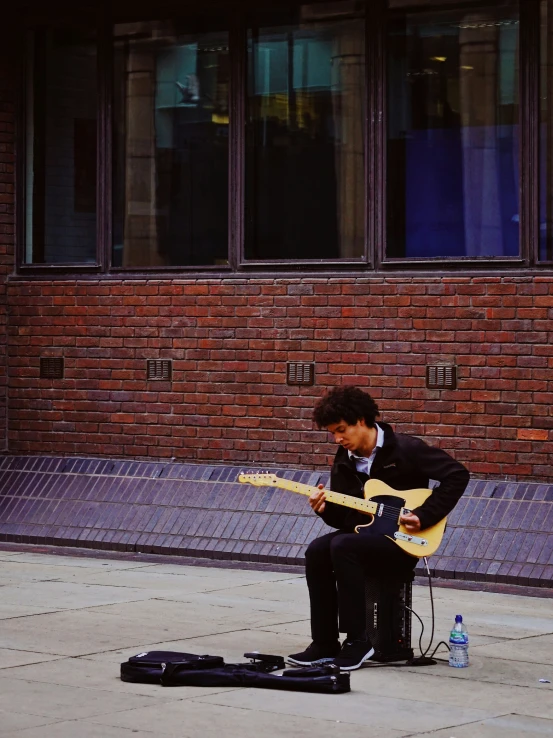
{"x":382,"y":505}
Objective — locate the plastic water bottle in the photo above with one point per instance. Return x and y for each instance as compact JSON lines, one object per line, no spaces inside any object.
{"x":459,"y":644}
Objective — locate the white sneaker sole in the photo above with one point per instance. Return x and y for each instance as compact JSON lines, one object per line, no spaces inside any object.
{"x":366,"y":657}
{"x":295,"y":662}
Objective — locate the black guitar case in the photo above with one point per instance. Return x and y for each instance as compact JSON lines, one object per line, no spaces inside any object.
{"x":177,"y":669}
{"x":147,"y":667}
{"x":325,"y":679}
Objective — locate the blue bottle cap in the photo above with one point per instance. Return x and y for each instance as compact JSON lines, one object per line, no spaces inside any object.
{"x":458,"y":618}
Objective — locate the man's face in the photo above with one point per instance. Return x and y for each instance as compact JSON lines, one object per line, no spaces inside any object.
{"x":351,"y":437}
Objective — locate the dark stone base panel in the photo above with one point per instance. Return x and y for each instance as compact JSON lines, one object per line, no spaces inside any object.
{"x":500,"y":532}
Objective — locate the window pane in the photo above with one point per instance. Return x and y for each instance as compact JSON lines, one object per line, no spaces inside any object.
{"x":61,"y":148}
{"x":171,"y":146}
{"x":305,"y":168}
{"x":546,"y":134}
{"x":453,"y":101}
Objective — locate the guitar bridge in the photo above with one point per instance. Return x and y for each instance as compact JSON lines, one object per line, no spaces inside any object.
{"x":417,"y":540}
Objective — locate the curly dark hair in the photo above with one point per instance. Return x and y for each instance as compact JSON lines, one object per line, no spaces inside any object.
{"x":345,"y":403}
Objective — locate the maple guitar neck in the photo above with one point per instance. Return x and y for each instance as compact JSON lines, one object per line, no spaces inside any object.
{"x":364,"y":506}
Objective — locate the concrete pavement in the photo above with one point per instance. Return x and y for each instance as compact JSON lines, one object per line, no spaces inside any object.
{"x":68,"y":622}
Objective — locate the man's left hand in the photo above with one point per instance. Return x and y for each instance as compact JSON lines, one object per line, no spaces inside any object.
{"x":411,"y":522}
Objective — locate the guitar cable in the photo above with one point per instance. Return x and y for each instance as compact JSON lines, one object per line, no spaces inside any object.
{"x":424,"y":659}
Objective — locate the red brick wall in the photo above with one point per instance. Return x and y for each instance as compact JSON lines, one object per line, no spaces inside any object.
{"x":7,"y":126}
{"x":230,"y":340}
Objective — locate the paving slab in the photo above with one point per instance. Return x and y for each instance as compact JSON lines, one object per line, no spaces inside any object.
{"x":498,"y":615}
{"x":102,"y":675}
{"x":298,"y":628}
{"x":7,"y":612}
{"x":68,"y":728}
{"x":242,"y":713}
{"x":43,"y":560}
{"x":177,"y":584}
{"x":532,"y":698}
{"x":59,"y":595}
{"x":10,"y":657}
{"x":506,"y":726}
{"x":59,"y":670}
{"x":62,"y":701}
{"x":202,"y":614}
{"x":535,"y":649}
{"x":492,"y":669}
{"x":41,"y":569}
{"x":79,"y":632}
{"x":356,"y":709}
{"x":18,"y":722}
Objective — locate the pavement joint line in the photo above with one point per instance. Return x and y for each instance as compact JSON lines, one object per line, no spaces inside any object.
{"x":24,"y":584}
{"x":34,"y":615}
{"x":32,"y":663}
{"x":518,"y":638}
{"x":189,"y":561}
{"x":458,"y":725}
{"x":143,"y":646}
{"x":241,"y":586}
{"x":272,"y":712}
{"x":521,"y":661}
{"x":81,"y":609}
{"x":26,"y":650}
{"x":54,"y":720}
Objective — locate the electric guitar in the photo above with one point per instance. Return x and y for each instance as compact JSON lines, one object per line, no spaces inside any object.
{"x":382,"y":504}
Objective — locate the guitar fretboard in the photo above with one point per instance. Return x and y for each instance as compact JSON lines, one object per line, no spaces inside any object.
{"x":365,"y":506}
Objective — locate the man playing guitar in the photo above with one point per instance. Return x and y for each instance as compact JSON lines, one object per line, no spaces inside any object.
{"x":336,"y":563}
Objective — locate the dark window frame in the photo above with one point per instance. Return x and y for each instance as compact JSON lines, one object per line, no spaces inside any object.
{"x":374,"y":260}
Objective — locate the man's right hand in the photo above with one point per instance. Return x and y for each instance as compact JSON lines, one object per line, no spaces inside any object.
{"x":317,"y":500}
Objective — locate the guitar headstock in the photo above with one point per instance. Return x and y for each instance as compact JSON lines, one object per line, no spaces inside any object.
{"x":259,"y":479}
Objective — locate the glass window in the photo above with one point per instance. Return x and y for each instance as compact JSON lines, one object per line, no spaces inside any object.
{"x":170,"y":204}
{"x":305,"y":134}
{"x":546,"y":134}
{"x":453,"y":131}
{"x":61,"y":141}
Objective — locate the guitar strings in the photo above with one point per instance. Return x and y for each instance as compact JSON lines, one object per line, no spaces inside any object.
{"x":388,"y":511}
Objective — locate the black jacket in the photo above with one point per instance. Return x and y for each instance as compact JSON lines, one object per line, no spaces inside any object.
{"x":403,"y":462}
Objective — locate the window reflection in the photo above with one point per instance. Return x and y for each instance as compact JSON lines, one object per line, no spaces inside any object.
{"x":546,"y":134}
{"x":61,"y":119}
{"x":453,"y":118}
{"x":171,"y":146}
{"x":305,"y":193}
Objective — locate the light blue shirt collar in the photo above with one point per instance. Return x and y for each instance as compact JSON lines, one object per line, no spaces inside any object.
{"x":364,"y":463}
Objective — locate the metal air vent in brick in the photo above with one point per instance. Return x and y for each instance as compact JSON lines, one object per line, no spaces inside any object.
{"x":297,"y":373}
{"x":441,"y":376}
{"x":51,"y":367}
{"x":159,"y":369}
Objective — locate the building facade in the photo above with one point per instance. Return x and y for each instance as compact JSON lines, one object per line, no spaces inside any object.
{"x":209,"y":215}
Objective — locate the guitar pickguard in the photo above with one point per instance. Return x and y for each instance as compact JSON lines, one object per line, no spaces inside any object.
{"x":386,"y":519}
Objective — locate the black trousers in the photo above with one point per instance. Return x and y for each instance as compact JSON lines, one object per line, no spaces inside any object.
{"x":336,"y":565}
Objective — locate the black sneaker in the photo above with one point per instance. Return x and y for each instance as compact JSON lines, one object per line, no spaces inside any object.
{"x":353,"y":654}
{"x":315,"y":654}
